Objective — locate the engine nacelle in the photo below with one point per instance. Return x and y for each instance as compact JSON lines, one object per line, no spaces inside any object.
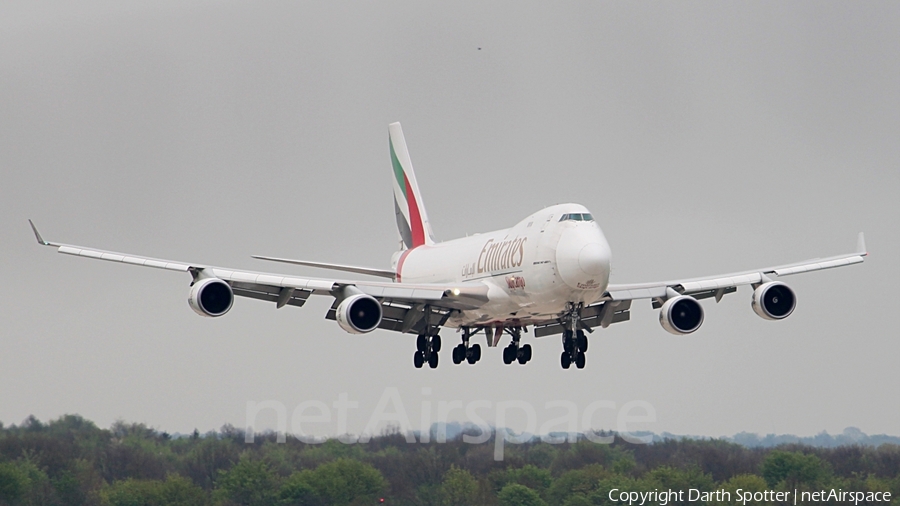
{"x":773,"y":300}
{"x":211,"y":297}
{"x":359,"y":314}
{"x":681,"y":315}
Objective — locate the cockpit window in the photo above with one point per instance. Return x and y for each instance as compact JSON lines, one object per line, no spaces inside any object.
{"x":576,"y":217}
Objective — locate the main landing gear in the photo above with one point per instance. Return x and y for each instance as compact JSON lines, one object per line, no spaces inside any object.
{"x":574,"y":340}
{"x":516,"y":352}
{"x":427,"y":348}
{"x":464,"y":352}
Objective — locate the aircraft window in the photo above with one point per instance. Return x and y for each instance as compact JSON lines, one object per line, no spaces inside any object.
{"x":576,"y":217}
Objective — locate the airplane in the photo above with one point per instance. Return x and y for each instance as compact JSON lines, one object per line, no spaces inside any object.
{"x":549,"y":272}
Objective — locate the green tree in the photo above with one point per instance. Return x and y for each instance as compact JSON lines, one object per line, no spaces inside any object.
{"x":206,"y":458}
{"x":519,"y":495}
{"x":248,"y":483}
{"x":578,"y":500}
{"x":344,"y":481}
{"x":791,"y":469}
{"x":576,"y":482}
{"x":173,"y":491}
{"x":682,"y":479}
{"x":296,"y":491}
{"x":458,"y":488}
{"x":14,"y":483}
{"x":78,"y":483}
{"x":532,"y":477}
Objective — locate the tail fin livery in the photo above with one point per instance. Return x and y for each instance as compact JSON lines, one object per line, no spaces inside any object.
{"x":412,"y":220}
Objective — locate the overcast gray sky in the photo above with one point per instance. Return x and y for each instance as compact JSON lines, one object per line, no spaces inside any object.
{"x":705,"y":137}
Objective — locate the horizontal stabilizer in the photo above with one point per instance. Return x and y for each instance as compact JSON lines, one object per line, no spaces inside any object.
{"x":334,"y":267}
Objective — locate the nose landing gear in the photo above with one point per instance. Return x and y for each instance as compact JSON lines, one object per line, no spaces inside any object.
{"x":574,"y":340}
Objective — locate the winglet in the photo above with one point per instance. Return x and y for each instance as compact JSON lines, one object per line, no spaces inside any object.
{"x":861,"y":245}
{"x":37,"y":235}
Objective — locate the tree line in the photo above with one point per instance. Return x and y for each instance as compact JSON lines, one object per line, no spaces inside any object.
{"x":70,"y":461}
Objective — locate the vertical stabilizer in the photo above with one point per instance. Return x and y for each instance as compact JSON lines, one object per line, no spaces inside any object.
{"x":412,"y":220}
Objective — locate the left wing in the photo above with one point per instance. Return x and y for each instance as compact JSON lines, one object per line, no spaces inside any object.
{"x":682,"y":314}
{"x":404,"y":306}
{"x":717,"y":286}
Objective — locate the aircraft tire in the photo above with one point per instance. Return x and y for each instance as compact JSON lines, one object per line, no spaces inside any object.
{"x":459,"y":354}
{"x":433,"y":361}
{"x":421,"y":343}
{"x":565,"y":360}
{"x":476,"y":353}
{"x":436,"y":343}
{"x":580,"y":360}
{"x":509,"y":354}
{"x":582,"y":341}
{"x":526,"y":351}
{"x":418,"y":360}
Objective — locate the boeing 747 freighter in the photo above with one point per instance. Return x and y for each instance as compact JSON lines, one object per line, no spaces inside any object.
{"x":549,"y":273}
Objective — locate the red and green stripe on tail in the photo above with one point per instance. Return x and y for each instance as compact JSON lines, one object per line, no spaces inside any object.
{"x":412,"y":221}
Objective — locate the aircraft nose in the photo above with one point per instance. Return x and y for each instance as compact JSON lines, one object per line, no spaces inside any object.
{"x":591,"y":259}
{"x":582,"y":259}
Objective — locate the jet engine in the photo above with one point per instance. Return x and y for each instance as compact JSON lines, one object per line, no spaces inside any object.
{"x":211,"y":297}
{"x":681,"y":315}
{"x":773,"y":300}
{"x":359,"y":314}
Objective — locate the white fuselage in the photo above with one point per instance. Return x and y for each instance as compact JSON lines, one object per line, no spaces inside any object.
{"x":532,"y":269}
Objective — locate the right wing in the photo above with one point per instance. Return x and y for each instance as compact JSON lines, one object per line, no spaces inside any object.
{"x":404,"y":305}
{"x":335,"y":267}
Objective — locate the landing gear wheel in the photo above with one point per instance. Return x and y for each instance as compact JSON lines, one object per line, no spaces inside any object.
{"x":436,"y":343}
{"x":570,"y":343}
{"x":459,"y":354}
{"x":473,"y":354}
{"x":582,"y":341}
{"x":421,"y":343}
{"x":520,"y":356}
{"x":433,"y":360}
{"x":579,"y":360}
{"x":509,"y":354}
{"x":526,"y":350}
{"x":418,"y":359}
{"x":565,"y":360}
